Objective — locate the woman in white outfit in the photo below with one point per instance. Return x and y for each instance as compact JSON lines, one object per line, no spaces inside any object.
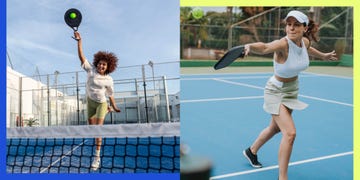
{"x":99,"y":85}
{"x":291,"y":56}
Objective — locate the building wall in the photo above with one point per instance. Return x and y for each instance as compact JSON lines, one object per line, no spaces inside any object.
{"x":63,"y":107}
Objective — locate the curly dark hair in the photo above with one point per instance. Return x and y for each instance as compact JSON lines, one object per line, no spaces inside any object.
{"x":109,"y":57}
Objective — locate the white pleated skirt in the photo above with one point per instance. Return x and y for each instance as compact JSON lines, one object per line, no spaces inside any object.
{"x":277,"y":93}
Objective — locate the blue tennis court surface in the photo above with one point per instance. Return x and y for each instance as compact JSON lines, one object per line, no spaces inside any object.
{"x":221,"y":115}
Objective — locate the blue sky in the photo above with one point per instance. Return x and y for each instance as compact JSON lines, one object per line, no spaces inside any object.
{"x":135,"y":30}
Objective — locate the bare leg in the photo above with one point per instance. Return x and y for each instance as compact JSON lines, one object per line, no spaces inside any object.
{"x":92,"y":121}
{"x":98,"y":141}
{"x":286,"y":124}
{"x":264,"y":136}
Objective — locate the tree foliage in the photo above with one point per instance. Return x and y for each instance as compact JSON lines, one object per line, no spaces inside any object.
{"x":213,"y":29}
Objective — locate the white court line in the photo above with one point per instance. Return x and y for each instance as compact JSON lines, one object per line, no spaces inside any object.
{"x":226,"y":74}
{"x":62,"y":157}
{"x":221,"y":99}
{"x":304,"y":96}
{"x":229,"y":77}
{"x":310,"y":74}
{"x":328,"y":75}
{"x":236,"y":77}
{"x":276,"y":166}
{"x":327,"y":100}
{"x":240,"y":84}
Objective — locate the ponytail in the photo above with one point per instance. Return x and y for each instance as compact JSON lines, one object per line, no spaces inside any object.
{"x":311,"y":31}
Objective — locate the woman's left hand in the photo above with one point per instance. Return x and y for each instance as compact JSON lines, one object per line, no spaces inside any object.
{"x":111,"y":109}
{"x":116,"y":109}
{"x":330,"y":56}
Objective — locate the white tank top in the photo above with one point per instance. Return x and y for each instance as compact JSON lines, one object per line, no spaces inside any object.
{"x":297,"y":61}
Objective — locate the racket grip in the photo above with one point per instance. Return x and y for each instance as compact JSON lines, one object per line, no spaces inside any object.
{"x":75,"y":38}
{"x":242,"y":55}
{"x":75,"y":29}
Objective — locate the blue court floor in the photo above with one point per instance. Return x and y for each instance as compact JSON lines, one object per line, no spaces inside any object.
{"x":221,"y":115}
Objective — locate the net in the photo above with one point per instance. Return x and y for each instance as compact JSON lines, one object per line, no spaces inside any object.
{"x":126,"y":148}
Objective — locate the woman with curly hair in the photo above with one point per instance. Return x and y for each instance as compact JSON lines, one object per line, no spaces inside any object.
{"x":99,"y":85}
{"x":291,"y":56}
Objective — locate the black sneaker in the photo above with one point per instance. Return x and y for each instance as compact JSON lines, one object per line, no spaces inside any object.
{"x":252,"y":158}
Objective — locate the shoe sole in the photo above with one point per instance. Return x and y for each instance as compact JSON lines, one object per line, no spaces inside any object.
{"x":94,"y":168}
{"x":254,"y":166}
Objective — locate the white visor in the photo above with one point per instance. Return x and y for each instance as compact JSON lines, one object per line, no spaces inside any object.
{"x":299,"y":16}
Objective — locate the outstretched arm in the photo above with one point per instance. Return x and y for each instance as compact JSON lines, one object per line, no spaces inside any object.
{"x":265,"y":48}
{"x":324,"y":56}
{"x":80,"y":51}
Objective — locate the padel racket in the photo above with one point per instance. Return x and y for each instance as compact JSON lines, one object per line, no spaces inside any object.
{"x":230,"y":56}
{"x":73,"y":18}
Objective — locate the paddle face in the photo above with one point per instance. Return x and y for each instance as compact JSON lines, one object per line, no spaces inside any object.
{"x":73,"y":18}
{"x":230,"y":56}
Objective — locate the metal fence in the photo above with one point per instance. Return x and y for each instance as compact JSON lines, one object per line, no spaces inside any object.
{"x":60,"y":98}
{"x":221,"y":31}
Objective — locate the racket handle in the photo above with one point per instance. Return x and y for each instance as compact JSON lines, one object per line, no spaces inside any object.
{"x":75,"y":29}
{"x":75,"y":38}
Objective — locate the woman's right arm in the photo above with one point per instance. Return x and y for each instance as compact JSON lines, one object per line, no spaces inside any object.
{"x":265,"y":48}
{"x":80,"y":51}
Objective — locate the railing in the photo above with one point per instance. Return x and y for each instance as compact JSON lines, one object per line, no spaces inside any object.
{"x":60,"y":99}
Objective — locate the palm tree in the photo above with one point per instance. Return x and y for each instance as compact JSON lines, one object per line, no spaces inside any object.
{"x":192,"y":30}
{"x":32,"y":122}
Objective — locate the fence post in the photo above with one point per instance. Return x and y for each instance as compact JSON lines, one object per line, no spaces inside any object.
{"x":144,"y":84}
{"x":20,"y":97}
{"x":77,"y":98}
{"x":166,"y":99}
{"x":48,"y":93}
{"x":56,"y":73}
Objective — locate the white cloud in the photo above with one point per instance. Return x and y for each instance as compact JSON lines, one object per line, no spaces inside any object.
{"x":31,"y":45}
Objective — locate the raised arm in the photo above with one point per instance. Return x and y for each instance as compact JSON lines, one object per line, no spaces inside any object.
{"x":80,"y":51}
{"x":324,"y":56}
